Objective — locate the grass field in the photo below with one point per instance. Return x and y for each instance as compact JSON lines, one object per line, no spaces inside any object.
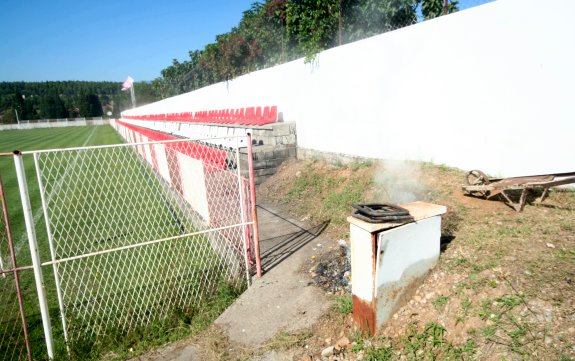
{"x":27,"y":140}
{"x":101,"y":199}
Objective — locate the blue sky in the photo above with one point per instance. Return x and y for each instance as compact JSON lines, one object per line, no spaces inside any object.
{"x":44,"y":40}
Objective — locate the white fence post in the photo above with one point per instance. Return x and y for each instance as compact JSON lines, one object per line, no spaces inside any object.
{"x":52,"y":253}
{"x":30,"y":231}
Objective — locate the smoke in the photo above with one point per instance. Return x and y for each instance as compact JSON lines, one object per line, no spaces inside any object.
{"x":398,"y":182}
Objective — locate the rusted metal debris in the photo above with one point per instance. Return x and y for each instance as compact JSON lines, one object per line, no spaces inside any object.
{"x":478,"y":184}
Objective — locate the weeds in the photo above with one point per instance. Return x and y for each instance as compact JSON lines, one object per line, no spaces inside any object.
{"x":440,"y":302}
{"x":503,"y":326}
{"x":379,"y":354}
{"x":465,"y":306}
{"x":344,"y":305}
{"x":327,"y":197}
{"x":287,"y":340}
{"x":175,"y":326}
{"x":357,"y":165}
{"x":373,"y":353}
{"x":432,"y":344}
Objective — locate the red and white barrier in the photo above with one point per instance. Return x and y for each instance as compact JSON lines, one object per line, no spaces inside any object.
{"x":185,"y":166}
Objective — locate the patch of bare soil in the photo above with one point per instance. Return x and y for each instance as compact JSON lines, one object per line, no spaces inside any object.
{"x":502,"y":289}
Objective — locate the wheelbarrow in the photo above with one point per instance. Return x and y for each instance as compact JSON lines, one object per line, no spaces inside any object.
{"x":478,"y":184}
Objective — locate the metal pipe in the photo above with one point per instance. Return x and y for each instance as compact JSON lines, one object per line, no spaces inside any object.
{"x":31,"y":233}
{"x":86,"y":255}
{"x":52,"y":252}
{"x":242,"y":210}
{"x":15,"y":269}
{"x":254,"y":207}
{"x":179,"y":140}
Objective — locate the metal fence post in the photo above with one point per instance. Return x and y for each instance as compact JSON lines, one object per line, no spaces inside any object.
{"x":15,"y":268}
{"x":30,"y":231}
{"x":254,"y":207}
{"x":242,"y":210}
{"x":52,"y":253}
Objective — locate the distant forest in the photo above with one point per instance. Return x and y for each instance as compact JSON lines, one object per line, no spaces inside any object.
{"x":68,"y":99}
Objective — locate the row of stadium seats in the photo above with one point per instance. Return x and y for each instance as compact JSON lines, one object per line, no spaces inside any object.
{"x":241,"y":116}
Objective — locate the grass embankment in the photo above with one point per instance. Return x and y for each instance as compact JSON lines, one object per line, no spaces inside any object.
{"x":102,"y":199}
{"x":504,"y":285}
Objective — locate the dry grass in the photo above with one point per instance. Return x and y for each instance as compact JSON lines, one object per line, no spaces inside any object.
{"x":503,"y":288}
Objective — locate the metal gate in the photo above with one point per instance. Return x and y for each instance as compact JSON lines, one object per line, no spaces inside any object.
{"x":136,"y":232}
{"x":14,"y":343}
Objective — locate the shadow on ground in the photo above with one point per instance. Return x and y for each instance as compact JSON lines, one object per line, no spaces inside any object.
{"x":285,"y":239}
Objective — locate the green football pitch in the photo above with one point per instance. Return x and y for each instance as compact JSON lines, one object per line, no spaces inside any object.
{"x":39,"y":139}
{"x":30,"y":140}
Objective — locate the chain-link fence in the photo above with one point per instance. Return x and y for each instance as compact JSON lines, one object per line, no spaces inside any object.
{"x":14,"y":343}
{"x":136,"y":234}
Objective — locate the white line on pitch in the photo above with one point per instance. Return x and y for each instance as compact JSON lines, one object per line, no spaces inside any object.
{"x":39,"y":213}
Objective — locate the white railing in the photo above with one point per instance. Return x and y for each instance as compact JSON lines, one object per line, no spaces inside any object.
{"x":54,"y":123}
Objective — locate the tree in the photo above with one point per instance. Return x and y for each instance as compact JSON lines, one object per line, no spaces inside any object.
{"x":313,"y":24}
{"x":19,"y":105}
{"x":371,"y":17}
{"x":90,"y":106}
{"x":434,"y":8}
{"x":52,"y":107}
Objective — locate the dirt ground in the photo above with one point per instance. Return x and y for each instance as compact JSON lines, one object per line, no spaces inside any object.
{"x":503,"y":288}
{"x":504,"y":284}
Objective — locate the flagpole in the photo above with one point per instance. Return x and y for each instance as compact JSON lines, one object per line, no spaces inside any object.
{"x":133,"y":95}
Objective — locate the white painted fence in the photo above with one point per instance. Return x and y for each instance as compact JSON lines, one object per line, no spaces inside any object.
{"x":53,"y":123}
{"x":486,"y":88}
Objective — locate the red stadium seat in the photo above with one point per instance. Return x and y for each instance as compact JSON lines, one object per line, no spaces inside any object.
{"x":273,"y":114}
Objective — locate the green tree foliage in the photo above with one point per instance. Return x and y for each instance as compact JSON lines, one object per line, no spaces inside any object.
{"x":434,"y":8}
{"x":22,"y":106}
{"x":313,"y":24}
{"x":52,"y":107}
{"x":371,"y":17}
{"x":90,"y":106}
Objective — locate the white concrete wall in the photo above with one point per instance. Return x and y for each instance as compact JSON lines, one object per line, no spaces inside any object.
{"x":488,"y":88}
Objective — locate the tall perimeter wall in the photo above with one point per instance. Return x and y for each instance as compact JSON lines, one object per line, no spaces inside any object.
{"x":490,"y":88}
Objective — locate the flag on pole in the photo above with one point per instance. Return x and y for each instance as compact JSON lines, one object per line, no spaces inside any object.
{"x":128,"y":83}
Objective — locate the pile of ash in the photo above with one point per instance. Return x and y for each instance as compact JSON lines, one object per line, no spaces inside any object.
{"x":332,"y":271}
